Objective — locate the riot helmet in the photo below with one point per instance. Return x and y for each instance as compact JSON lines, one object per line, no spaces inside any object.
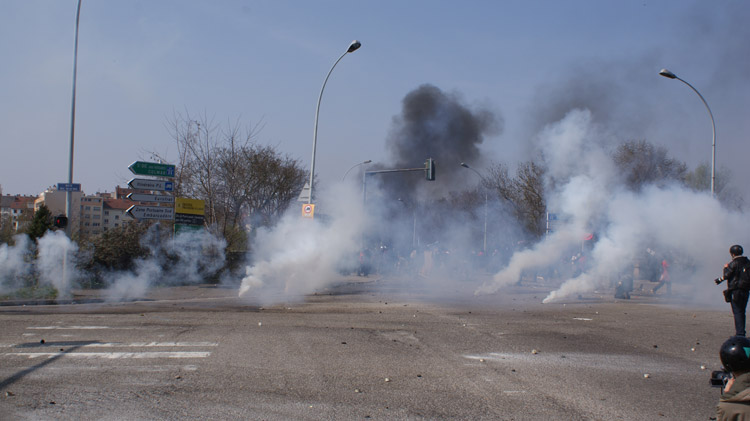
{"x":736,"y":250}
{"x":735,"y":354}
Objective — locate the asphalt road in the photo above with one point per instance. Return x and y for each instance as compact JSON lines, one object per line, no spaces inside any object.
{"x":361,"y":350}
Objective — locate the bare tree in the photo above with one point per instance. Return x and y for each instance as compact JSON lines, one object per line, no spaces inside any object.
{"x":240,"y":181}
{"x":641,"y":163}
{"x":699,"y":179}
{"x":524,"y":193}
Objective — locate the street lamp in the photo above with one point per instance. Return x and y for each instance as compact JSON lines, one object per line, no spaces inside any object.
{"x":352,"y":48}
{"x":484,"y":246}
{"x":355,"y":166}
{"x":666,"y":73}
{"x":68,"y":193}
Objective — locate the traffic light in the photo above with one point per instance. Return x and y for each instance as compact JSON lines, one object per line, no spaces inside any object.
{"x":61,"y":221}
{"x":430,"y":169}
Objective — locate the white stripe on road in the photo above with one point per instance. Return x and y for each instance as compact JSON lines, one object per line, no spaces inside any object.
{"x":116,"y":344}
{"x":74,"y":327}
{"x":109,"y":355}
{"x":148,"y":344}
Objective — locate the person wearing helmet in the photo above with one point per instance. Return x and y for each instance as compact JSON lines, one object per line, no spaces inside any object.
{"x":734,"y":403}
{"x":737,"y":275}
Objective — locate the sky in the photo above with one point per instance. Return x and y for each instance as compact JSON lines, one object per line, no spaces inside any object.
{"x":260,"y":65}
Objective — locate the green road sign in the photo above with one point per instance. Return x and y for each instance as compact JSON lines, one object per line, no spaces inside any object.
{"x":152,"y":168}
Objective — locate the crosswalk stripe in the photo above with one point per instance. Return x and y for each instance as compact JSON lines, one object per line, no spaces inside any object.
{"x":109,"y":355}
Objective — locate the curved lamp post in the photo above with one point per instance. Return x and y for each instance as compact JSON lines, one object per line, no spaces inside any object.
{"x":69,"y":194}
{"x":666,"y":73}
{"x":484,"y":247}
{"x":352,"y":48}
{"x":355,"y":166}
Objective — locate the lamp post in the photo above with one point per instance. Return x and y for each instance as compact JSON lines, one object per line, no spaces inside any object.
{"x":352,"y":48}
{"x":69,"y":194}
{"x":666,"y":73}
{"x":484,"y":246}
{"x":355,"y":166}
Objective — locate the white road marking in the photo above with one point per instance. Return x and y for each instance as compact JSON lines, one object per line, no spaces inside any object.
{"x":73,"y":327}
{"x":149,"y":344}
{"x":582,"y":318}
{"x":118,"y":344}
{"x":109,"y":355}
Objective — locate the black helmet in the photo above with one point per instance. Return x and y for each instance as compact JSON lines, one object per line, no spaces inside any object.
{"x":735,"y":354}
{"x":736,"y":250}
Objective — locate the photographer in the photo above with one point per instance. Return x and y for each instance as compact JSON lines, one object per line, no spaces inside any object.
{"x":734,"y":403}
{"x":738,"y":283}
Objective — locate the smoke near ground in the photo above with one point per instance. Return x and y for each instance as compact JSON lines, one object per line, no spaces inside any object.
{"x":689,"y":229}
{"x":190,"y":257}
{"x":300,"y":255}
{"x":187,"y":258}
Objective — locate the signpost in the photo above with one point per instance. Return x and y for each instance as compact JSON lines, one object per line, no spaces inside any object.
{"x":308,"y":210}
{"x":189,"y":214}
{"x":148,"y":184}
{"x":68,"y":187}
{"x":153,"y":198}
{"x":152,"y":168}
{"x":151,"y":212}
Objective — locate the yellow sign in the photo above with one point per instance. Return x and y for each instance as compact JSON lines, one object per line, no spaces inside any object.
{"x":308,"y":210}
{"x":189,"y":206}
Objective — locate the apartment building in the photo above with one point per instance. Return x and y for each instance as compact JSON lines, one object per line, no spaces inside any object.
{"x":17,"y":210}
{"x":91,"y":215}
{"x":115,"y":213}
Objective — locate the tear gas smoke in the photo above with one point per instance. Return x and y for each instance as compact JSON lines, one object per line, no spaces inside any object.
{"x":299,"y":255}
{"x":19,"y":269}
{"x":190,"y":257}
{"x":14,"y":264}
{"x":590,"y":199}
{"x":56,"y":262}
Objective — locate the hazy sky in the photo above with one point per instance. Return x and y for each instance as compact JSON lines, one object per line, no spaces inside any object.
{"x":262,"y":63}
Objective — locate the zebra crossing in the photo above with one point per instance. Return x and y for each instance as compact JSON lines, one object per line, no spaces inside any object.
{"x":94,"y":349}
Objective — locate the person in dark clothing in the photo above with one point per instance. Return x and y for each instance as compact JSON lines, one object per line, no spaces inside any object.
{"x":737,"y":275}
{"x":734,"y":403}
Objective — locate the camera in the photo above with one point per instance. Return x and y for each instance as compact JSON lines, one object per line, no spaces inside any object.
{"x":719,"y":378}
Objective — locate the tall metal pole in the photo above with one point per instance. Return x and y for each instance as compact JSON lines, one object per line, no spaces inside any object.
{"x":352,"y":47}
{"x":666,"y":73}
{"x":68,"y":194}
{"x":484,"y":246}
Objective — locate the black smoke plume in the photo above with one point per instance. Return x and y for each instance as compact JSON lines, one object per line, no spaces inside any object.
{"x":435,"y":124}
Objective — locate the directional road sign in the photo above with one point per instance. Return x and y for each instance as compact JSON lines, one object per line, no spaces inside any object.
{"x":152,"y":168}
{"x":148,"y":184}
{"x":154,"y":198}
{"x":68,"y":187}
{"x":151,"y":212}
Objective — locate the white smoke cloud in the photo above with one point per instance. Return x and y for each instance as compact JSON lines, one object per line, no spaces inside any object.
{"x":189,"y":257}
{"x":56,"y":262}
{"x":300,"y":255}
{"x":691,"y":227}
{"x":14,"y":264}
